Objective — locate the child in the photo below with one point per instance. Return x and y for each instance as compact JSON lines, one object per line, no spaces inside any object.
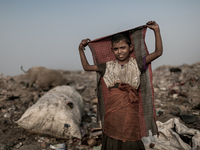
{"x":121,"y":128}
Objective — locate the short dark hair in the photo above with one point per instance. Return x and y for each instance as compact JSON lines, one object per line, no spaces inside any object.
{"x":121,"y":36}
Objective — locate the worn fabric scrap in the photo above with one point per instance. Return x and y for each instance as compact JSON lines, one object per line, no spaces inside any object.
{"x":121,"y":114}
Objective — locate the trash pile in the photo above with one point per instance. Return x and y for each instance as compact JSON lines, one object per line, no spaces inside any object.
{"x":18,"y":101}
{"x":177,"y":95}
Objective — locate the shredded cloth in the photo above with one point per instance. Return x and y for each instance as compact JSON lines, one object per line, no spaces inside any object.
{"x":101,"y":51}
{"x":121,"y":114}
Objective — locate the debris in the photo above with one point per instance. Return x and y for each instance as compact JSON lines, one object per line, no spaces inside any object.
{"x":96,"y":148}
{"x":81,"y":89}
{"x":58,"y":146}
{"x":91,"y":142}
{"x":182,"y":90}
{"x":95,"y":133}
{"x":18,"y":145}
{"x":15,"y":99}
{"x":195,"y":113}
{"x":175,"y":96}
{"x":189,"y":118}
{"x":53,"y":114}
{"x":175,"y":70}
{"x":41,"y":139}
{"x":7,"y":115}
{"x":159,"y":112}
{"x":151,"y":145}
{"x":95,"y":101}
{"x":197,"y":107}
{"x":44,"y":145}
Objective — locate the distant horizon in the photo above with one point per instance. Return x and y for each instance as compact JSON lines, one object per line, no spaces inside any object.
{"x":153,"y":69}
{"x":47,"y":33}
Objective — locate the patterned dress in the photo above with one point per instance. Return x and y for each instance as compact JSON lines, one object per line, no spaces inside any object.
{"x":121,"y":121}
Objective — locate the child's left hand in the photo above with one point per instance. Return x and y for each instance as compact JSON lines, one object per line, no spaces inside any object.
{"x":158,"y":42}
{"x":152,"y":25}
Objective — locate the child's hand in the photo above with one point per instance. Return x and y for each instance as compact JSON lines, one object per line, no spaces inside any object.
{"x":83,"y":44}
{"x":152,"y":25}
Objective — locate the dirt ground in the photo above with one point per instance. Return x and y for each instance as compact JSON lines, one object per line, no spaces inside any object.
{"x":176,"y":94}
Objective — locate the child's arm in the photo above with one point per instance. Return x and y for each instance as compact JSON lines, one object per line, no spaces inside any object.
{"x":158,"y":42}
{"x":85,"y":64}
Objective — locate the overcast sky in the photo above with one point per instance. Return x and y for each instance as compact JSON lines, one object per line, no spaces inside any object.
{"x":47,"y":32}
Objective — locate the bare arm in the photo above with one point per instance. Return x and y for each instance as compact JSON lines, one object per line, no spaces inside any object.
{"x":158,"y":42}
{"x":85,"y":64}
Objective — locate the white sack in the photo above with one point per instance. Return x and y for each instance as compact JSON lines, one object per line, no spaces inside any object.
{"x":50,"y":114}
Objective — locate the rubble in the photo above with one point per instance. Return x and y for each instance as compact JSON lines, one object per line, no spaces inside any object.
{"x":177,"y":93}
{"x":16,"y":98}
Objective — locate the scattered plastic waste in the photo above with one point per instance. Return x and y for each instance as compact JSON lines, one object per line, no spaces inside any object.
{"x":189,"y":118}
{"x":176,"y":93}
{"x":7,"y":115}
{"x":58,"y":146}
{"x":159,"y":112}
{"x":18,"y":145}
{"x":96,"y":148}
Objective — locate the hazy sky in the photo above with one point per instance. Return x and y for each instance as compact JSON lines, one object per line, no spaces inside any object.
{"x":47,"y":32}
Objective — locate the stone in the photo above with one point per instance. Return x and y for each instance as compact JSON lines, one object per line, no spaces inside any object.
{"x":175,"y":96}
{"x":44,"y":145}
{"x":18,"y":145}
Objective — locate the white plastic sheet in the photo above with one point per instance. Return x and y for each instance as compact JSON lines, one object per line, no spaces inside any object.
{"x":170,"y":140}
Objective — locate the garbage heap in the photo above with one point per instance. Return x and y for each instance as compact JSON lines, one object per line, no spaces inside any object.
{"x":177,"y":93}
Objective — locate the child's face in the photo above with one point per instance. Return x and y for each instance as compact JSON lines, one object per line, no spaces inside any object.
{"x":122,"y":50}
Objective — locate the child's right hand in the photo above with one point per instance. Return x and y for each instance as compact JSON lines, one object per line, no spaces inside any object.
{"x":83,"y":44}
